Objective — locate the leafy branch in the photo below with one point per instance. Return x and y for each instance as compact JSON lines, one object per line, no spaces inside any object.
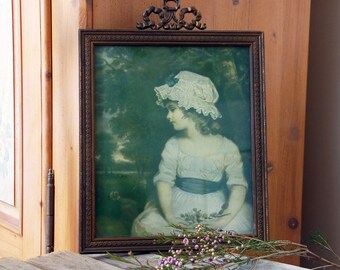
{"x":206,"y":248}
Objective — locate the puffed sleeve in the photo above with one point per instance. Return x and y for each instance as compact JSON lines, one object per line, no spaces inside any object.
{"x":168,"y":165}
{"x":234,"y":167}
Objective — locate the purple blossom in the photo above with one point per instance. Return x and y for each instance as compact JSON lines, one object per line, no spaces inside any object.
{"x":186,"y":241}
{"x":170,"y":260}
{"x":160,"y":261}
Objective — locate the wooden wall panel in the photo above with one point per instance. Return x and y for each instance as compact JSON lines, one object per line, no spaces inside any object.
{"x":31,"y":84}
{"x":46,"y":106}
{"x":67,"y":18}
{"x":286,"y":34}
{"x":286,"y":28}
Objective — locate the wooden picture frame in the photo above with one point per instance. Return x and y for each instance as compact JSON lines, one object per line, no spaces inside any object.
{"x":123,"y":131}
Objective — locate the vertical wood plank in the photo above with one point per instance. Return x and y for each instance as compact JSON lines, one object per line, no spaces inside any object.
{"x":18,"y":110}
{"x":46,"y":97}
{"x":286,"y":43}
{"x":67,"y":17}
{"x":31,"y":83}
{"x":217,"y":14}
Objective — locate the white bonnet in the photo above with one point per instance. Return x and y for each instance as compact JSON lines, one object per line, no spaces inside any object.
{"x":191,"y":90}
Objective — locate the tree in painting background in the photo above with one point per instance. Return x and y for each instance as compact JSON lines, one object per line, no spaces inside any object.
{"x":131,"y":130}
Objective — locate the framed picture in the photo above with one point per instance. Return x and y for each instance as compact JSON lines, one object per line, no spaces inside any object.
{"x":172,"y":131}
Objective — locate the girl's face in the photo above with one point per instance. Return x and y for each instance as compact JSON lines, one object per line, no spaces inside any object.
{"x":176,"y":117}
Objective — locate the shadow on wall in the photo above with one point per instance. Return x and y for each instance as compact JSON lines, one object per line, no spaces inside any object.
{"x":321,"y":208}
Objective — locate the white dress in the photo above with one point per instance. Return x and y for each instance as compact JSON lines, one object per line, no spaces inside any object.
{"x":192,"y":207}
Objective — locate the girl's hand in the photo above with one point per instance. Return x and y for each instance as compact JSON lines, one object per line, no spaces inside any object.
{"x":176,"y":221}
{"x":220,"y":222}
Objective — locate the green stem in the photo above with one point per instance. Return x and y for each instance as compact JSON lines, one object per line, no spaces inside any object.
{"x":312,"y":254}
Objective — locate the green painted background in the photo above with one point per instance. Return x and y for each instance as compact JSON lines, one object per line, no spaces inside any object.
{"x":131,"y":130}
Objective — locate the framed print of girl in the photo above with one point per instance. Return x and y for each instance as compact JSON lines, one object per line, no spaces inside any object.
{"x":172,"y":131}
{"x":200,"y":177}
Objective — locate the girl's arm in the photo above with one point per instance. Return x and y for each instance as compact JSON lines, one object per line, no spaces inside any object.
{"x":236,"y":199}
{"x":164,"y":190}
{"x":237,"y":186}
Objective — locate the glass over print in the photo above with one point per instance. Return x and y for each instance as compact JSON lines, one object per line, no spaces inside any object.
{"x":173,"y":138}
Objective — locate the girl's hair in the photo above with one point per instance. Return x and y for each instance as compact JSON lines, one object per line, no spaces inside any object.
{"x":204,"y":124}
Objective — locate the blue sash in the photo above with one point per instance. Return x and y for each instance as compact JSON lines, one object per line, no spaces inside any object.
{"x":198,"y":186}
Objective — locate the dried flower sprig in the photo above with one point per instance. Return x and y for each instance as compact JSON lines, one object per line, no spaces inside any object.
{"x":206,"y":248}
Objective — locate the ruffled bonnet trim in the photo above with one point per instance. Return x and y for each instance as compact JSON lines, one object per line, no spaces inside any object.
{"x":191,"y":90}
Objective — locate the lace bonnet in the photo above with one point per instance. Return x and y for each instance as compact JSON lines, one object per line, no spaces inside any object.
{"x":191,"y":90}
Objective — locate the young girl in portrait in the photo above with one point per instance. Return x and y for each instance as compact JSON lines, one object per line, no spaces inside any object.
{"x":200,"y":177}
